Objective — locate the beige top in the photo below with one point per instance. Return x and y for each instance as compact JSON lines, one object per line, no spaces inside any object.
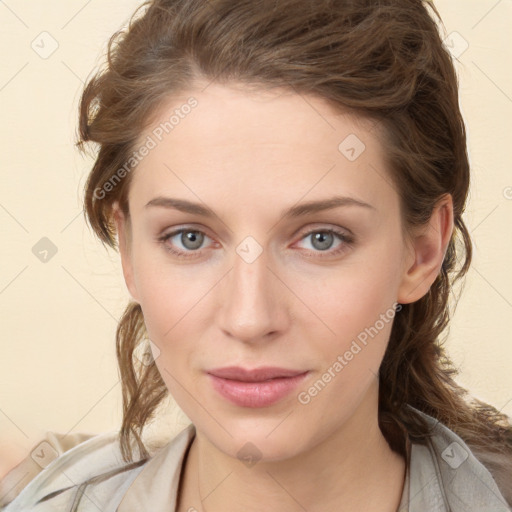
{"x":442,"y":476}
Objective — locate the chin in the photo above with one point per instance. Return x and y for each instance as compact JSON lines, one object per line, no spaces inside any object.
{"x":258,"y":439}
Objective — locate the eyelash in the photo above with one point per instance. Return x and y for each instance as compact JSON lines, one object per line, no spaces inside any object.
{"x":347,"y":241}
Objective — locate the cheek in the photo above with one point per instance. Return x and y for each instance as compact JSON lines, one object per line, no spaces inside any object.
{"x":356,"y":306}
{"x":174,"y":302}
{"x":352,"y":296}
{"x":167,"y":291}
{"x":361,"y":317}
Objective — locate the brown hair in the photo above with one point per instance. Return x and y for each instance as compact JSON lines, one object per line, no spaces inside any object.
{"x":383,"y":60}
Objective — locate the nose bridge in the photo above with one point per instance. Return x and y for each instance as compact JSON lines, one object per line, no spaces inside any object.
{"x":249,"y":305}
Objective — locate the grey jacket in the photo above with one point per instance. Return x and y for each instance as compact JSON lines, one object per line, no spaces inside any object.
{"x":442,"y":476}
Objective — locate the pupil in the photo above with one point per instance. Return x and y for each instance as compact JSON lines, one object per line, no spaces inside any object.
{"x":192,"y":237}
{"x":322,"y":237}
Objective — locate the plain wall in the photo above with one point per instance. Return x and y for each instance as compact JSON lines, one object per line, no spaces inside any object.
{"x":58,"y":318}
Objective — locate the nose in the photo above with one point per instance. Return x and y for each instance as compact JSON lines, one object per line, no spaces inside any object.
{"x":253,"y":305}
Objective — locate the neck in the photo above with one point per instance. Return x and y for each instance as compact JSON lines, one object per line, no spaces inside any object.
{"x":339,"y":470}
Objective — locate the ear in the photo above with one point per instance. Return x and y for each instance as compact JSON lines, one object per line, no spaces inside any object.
{"x":426,"y":253}
{"x":123,"y":229}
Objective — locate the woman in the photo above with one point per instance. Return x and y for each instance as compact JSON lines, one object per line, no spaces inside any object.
{"x":285,"y":182}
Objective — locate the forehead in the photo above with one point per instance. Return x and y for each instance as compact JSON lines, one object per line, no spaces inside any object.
{"x":235,"y":113}
{"x":249,"y":141}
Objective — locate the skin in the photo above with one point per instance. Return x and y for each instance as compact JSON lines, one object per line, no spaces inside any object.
{"x":247,"y":156}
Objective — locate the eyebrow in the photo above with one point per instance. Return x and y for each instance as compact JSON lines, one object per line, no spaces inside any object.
{"x":295,"y":211}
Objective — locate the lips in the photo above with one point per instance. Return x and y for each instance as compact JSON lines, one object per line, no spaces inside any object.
{"x":256,"y":375}
{"x":260,"y":387}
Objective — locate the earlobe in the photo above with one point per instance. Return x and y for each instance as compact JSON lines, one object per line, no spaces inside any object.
{"x":426,"y":253}
{"x":124,"y":245}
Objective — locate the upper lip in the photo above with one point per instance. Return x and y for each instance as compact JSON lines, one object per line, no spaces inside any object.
{"x":254,"y":375}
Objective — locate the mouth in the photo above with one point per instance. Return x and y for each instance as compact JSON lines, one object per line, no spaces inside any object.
{"x":260,"y":387}
{"x":255,"y":375}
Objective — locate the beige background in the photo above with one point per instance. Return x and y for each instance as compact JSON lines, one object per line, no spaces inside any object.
{"x":59,"y":318}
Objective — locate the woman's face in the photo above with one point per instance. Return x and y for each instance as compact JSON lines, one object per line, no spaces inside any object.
{"x":250,"y":284}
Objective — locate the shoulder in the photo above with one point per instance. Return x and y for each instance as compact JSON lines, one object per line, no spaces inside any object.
{"x":50,"y":446}
{"x":95,"y":456}
{"x":460,"y":478}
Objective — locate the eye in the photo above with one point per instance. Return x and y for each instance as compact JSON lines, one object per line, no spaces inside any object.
{"x":323,"y":239}
{"x":190,"y":239}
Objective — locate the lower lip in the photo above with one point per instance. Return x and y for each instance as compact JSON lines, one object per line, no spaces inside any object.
{"x":256,"y":394}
